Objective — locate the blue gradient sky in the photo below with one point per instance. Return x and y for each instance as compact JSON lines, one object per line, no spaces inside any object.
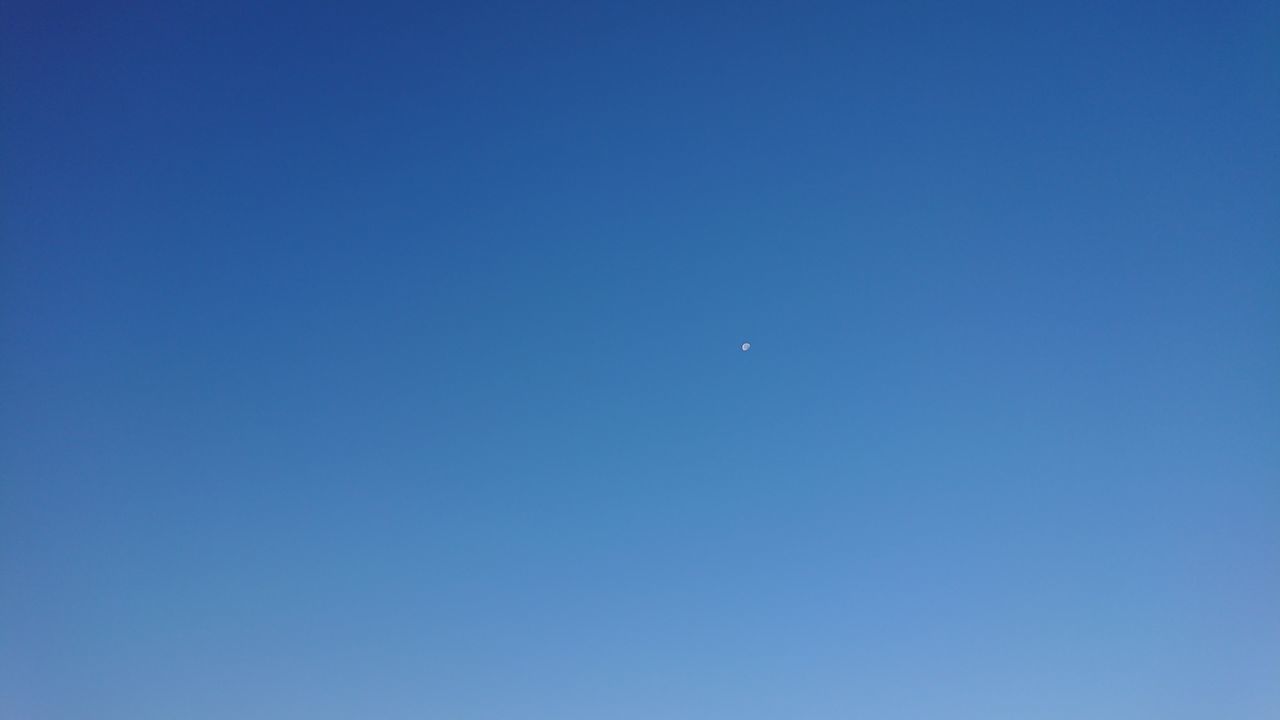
{"x":382,"y":362}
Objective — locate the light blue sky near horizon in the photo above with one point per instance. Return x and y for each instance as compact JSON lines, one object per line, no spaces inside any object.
{"x":382,"y":361}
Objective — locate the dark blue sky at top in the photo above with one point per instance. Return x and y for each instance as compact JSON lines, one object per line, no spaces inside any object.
{"x":382,"y":361}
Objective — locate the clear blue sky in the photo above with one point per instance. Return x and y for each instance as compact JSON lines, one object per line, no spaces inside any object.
{"x":382,"y":361}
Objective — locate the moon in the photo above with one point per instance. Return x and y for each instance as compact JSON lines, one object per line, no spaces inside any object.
{"x":746,"y":347}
